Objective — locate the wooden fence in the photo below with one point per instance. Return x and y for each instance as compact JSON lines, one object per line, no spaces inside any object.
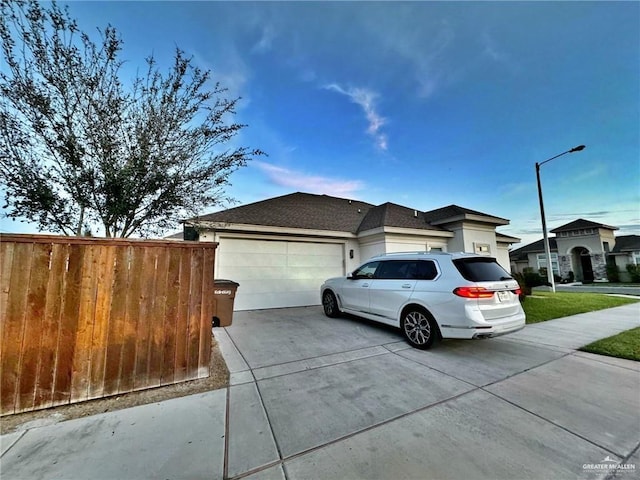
{"x":85,"y":318}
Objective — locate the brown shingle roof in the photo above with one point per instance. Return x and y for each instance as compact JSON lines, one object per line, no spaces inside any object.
{"x":455,"y":213}
{"x":579,"y":224}
{"x":322,"y":212}
{"x":393,"y":215}
{"x":296,"y":210}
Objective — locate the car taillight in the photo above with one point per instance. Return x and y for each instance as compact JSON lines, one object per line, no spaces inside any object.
{"x":473,"y":292}
{"x":517,"y":291}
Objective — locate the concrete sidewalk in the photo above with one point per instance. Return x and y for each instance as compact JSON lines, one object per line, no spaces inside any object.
{"x":319,"y":398}
{"x":610,"y":289}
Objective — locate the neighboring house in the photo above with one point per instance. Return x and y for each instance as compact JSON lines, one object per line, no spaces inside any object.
{"x":581,"y":247}
{"x":280,"y":250}
{"x":626,"y":252}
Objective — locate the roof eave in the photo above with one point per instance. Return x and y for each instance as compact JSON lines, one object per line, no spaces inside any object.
{"x":406,"y":231}
{"x":268,"y":229}
{"x":468,"y":217}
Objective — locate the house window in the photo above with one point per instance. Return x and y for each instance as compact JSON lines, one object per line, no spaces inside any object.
{"x":542,"y":262}
{"x":605,"y":246}
{"x":482,"y":248}
{"x":636,"y":258}
{"x":564,"y":234}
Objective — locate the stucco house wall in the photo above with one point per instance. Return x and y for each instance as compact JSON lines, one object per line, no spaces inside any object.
{"x":590,"y":242}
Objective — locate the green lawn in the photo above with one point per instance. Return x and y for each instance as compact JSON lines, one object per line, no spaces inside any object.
{"x":542,"y":306}
{"x":624,"y":345}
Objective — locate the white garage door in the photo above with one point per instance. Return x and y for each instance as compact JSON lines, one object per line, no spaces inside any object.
{"x":274,"y":274}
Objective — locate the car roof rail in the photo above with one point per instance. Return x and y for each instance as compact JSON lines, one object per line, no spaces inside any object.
{"x":419,"y":252}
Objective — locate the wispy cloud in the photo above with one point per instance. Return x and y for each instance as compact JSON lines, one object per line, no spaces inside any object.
{"x":366,"y":99}
{"x":309,"y":183}
{"x":515,"y":189}
{"x":425,"y":48}
{"x":491,"y":50}
{"x":599,"y":171}
{"x":231,"y":71}
{"x":266,"y":39}
{"x":497,"y":53}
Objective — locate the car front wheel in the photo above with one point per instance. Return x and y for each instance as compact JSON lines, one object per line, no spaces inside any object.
{"x":419,"y":328}
{"x":330,"y":304}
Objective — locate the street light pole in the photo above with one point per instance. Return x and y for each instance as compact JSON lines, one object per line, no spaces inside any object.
{"x":547,"y":250}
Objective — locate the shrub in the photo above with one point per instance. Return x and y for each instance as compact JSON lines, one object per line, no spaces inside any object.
{"x":527,"y":280}
{"x":613,"y":275}
{"x":634,"y":272}
{"x":524,"y":290}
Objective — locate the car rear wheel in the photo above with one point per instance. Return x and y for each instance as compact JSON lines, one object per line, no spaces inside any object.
{"x":419,"y":328}
{"x":330,"y":304}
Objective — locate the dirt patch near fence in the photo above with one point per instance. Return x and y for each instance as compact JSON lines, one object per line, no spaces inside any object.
{"x":219,"y":379}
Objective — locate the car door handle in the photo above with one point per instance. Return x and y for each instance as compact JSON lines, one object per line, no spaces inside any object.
{"x":364,"y":285}
{"x":406,"y":285}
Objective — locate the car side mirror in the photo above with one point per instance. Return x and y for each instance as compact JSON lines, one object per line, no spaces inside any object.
{"x":350,"y":276}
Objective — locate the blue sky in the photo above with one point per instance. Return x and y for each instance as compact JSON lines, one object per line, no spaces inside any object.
{"x":424,"y":104}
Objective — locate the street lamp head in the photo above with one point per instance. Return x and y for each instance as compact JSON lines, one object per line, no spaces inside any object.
{"x":577,"y":149}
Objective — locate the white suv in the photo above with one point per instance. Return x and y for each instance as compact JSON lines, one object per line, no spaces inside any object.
{"x":429,"y":295}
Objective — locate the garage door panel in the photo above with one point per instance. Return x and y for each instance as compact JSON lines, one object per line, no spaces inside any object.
{"x":274,"y":274}
{"x":253,"y":246}
{"x":276,"y":300}
{"x":311,"y":273}
{"x":263,"y":275}
{"x":238,"y":259}
{"x":313,"y":260}
{"x":309,"y":248}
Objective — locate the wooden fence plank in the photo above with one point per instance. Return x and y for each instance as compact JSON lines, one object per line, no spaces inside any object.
{"x":68,"y":325}
{"x":157,"y":318}
{"x":99,"y":340}
{"x":171,"y":317}
{"x":51,"y":326}
{"x":33,"y":331}
{"x":204,"y":355}
{"x":129,"y":335}
{"x":117,"y":320}
{"x":14,"y":324}
{"x":86,"y":323}
{"x":195,"y":312}
{"x":147,"y":298}
{"x":6,"y":263}
{"x":182,"y":327}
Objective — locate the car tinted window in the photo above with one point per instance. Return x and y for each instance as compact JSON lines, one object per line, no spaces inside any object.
{"x":407,"y":269}
{"x":481,"y":269}
{"x":424,"y":270}
{"x":366,"y":271}
{"x":396,"y":269}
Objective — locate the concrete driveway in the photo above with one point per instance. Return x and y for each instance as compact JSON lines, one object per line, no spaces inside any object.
{"x":315,"y":397}
{"x":319,"y":398}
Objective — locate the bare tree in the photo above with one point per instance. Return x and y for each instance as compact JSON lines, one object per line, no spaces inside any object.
{"x":78,"y":149}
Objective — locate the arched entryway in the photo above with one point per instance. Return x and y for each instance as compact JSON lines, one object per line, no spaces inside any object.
{"x":582,"y":267}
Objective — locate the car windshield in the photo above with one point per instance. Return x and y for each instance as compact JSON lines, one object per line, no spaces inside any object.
{"x":481,"y":270}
